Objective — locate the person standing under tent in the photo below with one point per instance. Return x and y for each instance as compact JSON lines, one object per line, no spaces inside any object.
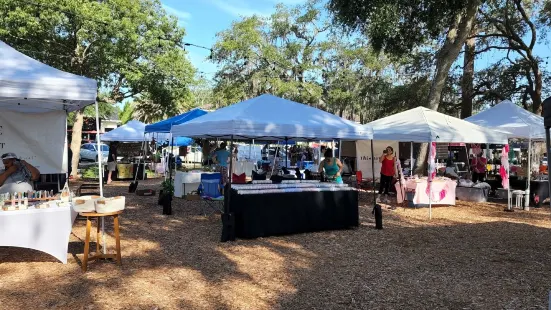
{"x":206,"y":148}
{"x":332,"y":167}
{"x":112,"y":161}
{"x":479,"y":167}
{"x":18,"y":175}
{"x":388,"y":170}
{"x":220,"y":158}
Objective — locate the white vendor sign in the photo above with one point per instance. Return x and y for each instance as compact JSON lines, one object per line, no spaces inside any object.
{"x":363,"y":156}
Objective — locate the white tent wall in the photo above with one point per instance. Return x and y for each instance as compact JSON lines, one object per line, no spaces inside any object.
{"x":38,"y":138}
{"x":363,"y":156}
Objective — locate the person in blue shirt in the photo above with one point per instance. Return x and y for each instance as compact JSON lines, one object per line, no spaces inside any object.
{"x":220,"y":158}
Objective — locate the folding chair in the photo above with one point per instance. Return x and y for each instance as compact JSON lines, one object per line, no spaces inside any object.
{"x":211,"y":192}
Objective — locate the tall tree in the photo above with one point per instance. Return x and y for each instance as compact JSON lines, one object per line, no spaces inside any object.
{"x":398,"y":26}
{"x":512,"y":25}
{"x":467,"y":93}
{"x":277,"y":55}
{"x":130,"y":47}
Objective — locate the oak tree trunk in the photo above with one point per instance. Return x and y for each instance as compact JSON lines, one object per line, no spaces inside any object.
{"x":457,"y":36}
{"x":467,"y":79}
{"x":76,"y":141}
{"x":536,"y":95}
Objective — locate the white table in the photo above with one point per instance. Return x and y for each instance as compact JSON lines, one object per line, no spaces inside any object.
{"x":438,"y":186}
{"x":186,"y":182}
{"x":45,"y":230}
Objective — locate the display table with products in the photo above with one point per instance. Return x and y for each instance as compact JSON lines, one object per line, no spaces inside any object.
{"x":45,"y":230}
{"x":443,"y":191}
{"x":263,"y":210}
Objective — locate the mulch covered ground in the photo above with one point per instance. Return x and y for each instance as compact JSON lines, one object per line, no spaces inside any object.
{"x":472,"y":256}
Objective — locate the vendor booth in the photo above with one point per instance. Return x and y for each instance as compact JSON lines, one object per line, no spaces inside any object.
{"x":163,"y":128}
{"x":34,"y":102}
{"x":524,"y":125}
{"x":300,"y":207}
{"x":131,"y":137}
{"x":423,"y":125}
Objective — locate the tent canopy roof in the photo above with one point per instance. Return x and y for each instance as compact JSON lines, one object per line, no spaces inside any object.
{"x":166,"y":125}
{"x":27,"y":85}
{"x":509,"y":117}
{"x":271,"y":117}
{"x":133,"y":131}
{"x":424,"y":125}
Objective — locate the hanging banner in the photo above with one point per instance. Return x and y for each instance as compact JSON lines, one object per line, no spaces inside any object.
{"x":363,"y":156}
{"x":40,"y":139}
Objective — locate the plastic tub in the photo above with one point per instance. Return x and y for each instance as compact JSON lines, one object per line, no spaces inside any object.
{"x":471,"y":194}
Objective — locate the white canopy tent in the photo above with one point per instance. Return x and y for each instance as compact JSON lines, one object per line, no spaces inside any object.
{"x":509,"y":117}
{"x":521,"y":123}
{"x":29,"y":87}
{"x":271,"y":117}
{"x":34,"y":100}
{"x":424,"y":125}
{"x":133,"y":131}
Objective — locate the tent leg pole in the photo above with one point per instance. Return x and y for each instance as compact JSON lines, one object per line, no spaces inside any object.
{"x":529,"y":172}
{"x":411,"y":159}
{"x":340,"y":148}
{"x":373,"y":173}
{"x":286,"y":153}
{"x":100,"y":161}
{"x":228,"y":220}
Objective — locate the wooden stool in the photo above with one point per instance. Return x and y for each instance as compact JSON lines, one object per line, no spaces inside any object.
{"x":98,"y":254}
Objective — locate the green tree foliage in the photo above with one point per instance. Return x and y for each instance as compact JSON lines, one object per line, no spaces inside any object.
{"x":127,"y":113}
{"x":399,"y":26}
{"x":515,"y":26}
{"x":277,"y":55}
{"x":131,"y":47}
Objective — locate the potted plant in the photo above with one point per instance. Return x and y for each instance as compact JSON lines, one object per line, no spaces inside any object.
{"x":165,"y":196}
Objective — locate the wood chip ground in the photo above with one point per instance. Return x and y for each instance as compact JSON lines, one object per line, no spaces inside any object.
{"x":471,"y":256}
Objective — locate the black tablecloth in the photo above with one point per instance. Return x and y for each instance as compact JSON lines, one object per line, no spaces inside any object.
{"x":262,"y":215}
{"x":539,"y":191}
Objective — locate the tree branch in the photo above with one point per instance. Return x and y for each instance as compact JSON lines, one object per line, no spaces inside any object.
{"x":528,"y":21}
{"x":492,"y":47}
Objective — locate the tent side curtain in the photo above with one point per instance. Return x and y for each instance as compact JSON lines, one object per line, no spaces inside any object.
{"x":29,"y":86}
{"x":166,"y":125}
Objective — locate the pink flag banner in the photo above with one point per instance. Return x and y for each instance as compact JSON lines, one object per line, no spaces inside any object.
{"x":432,"y":167}
{"x":504,"y":168}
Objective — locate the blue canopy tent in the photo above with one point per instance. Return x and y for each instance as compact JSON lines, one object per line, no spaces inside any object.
{"x":178,"y":141}
{"x":166,"y":125}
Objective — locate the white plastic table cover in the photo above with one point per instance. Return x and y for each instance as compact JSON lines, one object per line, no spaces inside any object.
{"x":438,"y":186}
{"x":245,"y":167}
{"x":45,"y":230}
{"x":186,"y":182}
